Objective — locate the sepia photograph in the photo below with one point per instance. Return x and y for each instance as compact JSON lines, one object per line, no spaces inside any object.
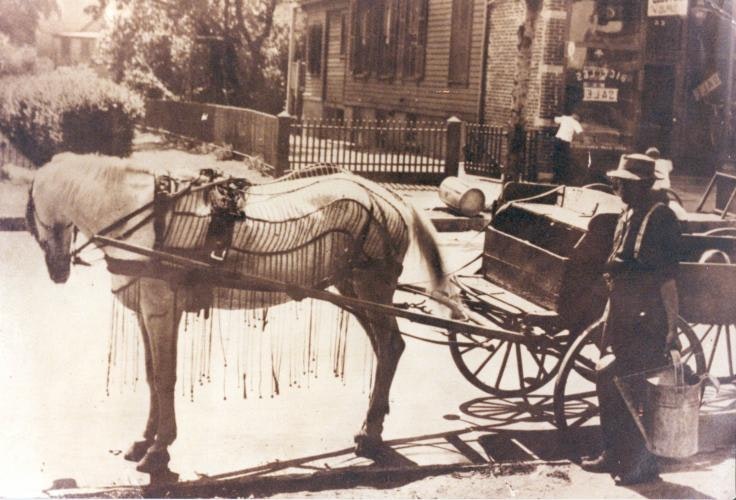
{"x":368,"y":249}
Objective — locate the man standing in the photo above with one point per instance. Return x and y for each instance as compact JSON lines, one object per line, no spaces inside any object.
{"x":642,"y":314}
{"x":569,"y":125}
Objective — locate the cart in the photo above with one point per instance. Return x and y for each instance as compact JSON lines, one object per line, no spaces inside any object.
{"x":533,"y":311}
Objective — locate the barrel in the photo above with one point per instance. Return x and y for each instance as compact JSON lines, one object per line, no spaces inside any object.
{"x":671,"y":413}
{"x":461,"y":197}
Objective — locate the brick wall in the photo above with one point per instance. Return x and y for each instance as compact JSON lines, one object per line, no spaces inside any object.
{"x":506,"y":15}
{"x":545,"y":91}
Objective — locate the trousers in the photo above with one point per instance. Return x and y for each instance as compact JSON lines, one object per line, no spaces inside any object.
{"x":637,"y":336}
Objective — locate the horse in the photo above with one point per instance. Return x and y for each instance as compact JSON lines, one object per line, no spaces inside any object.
{"x":335,"y":229}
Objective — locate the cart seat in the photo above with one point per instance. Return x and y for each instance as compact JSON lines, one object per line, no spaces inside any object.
{"x":553,"y":255}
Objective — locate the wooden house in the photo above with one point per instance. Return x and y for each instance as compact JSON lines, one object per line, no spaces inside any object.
{"x":406,"y":60}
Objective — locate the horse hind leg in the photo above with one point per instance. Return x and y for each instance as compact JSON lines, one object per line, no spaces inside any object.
{"x":138,"y":449}
{"x":388,"y":346}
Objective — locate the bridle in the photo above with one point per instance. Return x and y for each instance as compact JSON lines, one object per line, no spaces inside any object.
{"x":32,"y":216}
{"x":34,"y":221}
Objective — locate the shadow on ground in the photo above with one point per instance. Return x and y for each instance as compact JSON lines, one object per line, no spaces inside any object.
{"x":490,"y":446}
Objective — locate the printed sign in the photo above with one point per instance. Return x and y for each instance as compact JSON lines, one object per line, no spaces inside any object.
{"x":600,"y":94}
{"x":657,"y":8}
{"x":709,"y":85}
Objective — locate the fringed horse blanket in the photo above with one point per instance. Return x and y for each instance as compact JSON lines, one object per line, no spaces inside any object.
{"x":291,"y":230}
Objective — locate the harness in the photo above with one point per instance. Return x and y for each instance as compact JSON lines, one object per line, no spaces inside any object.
{"x":226,"y":195}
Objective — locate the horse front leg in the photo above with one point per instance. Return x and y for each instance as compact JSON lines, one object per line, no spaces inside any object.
{"x":388,"y":346}
{"x":138,"y":449}
{"x":161,"y":315}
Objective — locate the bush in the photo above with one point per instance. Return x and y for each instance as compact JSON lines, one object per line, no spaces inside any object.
{"x":68,"y":109}
{"x":20,"y":60}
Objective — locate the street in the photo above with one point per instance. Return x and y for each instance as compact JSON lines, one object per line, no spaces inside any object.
{"x":60,"y":422}
{"x":75,"y":395}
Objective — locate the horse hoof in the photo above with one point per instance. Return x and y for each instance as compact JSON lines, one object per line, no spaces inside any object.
{"x":368,"y":446}
{"x":137,"y":451}
{"x":165,"y":476}
{"x":154,"y":462}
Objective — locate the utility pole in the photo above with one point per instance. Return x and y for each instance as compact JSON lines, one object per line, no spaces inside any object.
{"x":289,"y":72}
{"x":728,"y":133}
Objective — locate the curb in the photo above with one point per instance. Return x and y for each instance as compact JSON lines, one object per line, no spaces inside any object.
{"x":450,"y":224}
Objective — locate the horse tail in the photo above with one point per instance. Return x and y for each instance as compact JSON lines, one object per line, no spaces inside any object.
{"x":425,"y":237}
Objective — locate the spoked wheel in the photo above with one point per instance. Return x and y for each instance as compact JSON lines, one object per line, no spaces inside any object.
{"x":718,"y":342}
{"x":575,"y":397}
{"x":504,"y":367}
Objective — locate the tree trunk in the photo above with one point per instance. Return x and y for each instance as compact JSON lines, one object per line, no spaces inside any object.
{"x":517,"y":125}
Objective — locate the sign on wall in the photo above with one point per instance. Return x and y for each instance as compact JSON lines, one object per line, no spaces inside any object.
{"x":707,"y":86}
{"x":658,"y":8}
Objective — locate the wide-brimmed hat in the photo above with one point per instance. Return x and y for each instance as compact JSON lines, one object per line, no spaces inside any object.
{"x":635,"y":167}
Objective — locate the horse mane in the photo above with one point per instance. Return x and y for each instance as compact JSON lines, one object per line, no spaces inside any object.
{"x":108,"y":170}
{"x":30,"y":211}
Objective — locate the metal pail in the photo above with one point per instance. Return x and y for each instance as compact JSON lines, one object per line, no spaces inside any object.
{"x":467,"y":200}
{"x":671,"y":414}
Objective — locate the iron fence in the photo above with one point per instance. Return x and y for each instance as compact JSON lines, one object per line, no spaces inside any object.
{"x":487,"y":150}
{"x":396,"y":151}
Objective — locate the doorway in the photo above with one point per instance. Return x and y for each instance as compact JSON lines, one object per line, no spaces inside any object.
{"x":656,"y":108}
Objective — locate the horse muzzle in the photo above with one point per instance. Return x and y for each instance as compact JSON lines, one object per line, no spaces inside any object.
{"x":59,"y":269}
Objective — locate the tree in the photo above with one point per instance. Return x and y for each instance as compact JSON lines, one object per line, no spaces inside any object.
{"x":223,"y":51}
{"x":517,"y":123}
{"x":19,"y":18}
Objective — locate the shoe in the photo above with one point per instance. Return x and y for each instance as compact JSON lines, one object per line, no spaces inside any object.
{"x":601,"y":463}
{"x":647,"y":472}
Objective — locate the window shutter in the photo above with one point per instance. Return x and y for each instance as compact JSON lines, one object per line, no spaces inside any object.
{"x":355,"y":36}
{"x":421,"y":43}
{"x":460,"y":42}
{"x":401,"y":32}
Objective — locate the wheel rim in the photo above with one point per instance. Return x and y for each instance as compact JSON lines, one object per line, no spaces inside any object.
{"x":576,"y":409}
{"x":573,"y":409}
{"x":501,"y":367}
{"x":718,"y":343}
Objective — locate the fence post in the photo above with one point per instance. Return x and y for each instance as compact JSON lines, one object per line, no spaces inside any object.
{"x":282,"y":142}
{"x":452,"y":153}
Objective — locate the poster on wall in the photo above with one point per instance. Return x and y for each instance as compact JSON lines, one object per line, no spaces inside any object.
{"x":659,"y":8}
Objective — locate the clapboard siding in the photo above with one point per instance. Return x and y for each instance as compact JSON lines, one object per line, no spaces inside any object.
{"x":432,"y":95}
{"x":335,"y":62}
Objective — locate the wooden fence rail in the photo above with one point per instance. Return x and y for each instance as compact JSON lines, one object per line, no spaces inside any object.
{"x":247,"y":131}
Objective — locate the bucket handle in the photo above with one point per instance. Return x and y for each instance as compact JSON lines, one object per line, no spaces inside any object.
{"x":678,"y":367}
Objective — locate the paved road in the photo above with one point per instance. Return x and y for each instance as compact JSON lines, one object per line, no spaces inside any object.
{"x":61,"y":423}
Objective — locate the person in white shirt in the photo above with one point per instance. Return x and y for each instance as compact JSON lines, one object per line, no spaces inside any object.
{"x":569,"y":125}
{"x":662,"y":169}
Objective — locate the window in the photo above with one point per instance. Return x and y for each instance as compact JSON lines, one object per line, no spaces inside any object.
{"x":314,"y":50}
{"x":343,"y":34}
{"x":388,"y":35}
{"x":361,"y":56}
{"x":388,"y":41}
{"x":460,"y":42}
{"x":415,"y":38}
{"x":66,"y":48}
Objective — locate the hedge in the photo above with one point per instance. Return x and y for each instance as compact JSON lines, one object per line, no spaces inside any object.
{"x":68,"y":109}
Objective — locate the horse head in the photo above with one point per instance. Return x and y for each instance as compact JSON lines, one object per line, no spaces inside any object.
{"x":54,"y":235}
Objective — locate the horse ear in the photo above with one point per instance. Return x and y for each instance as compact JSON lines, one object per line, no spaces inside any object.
{"x":16,"y":174}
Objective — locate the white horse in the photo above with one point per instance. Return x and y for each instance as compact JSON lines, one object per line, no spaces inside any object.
{"x":336,"y":229}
